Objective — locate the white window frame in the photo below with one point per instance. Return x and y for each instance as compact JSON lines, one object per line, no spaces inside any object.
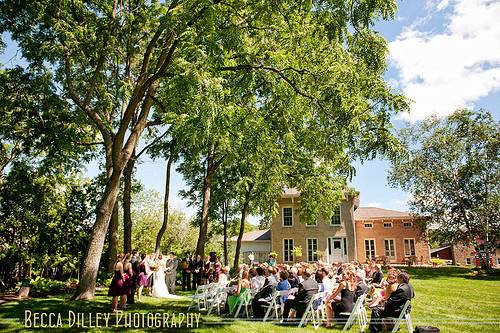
{"x":313,"y":254}
{"x":394,"y":248}
{"x":283,"y":217}
{"x":408,"y":226}
{"x":414,"y":247}
{"x":340,"y":218}
{"x":374,"y":247}
{"x":284,"y":250}
{"x":468,"y":261}
{"x":370,"y":223}
{"x":390,"y":225}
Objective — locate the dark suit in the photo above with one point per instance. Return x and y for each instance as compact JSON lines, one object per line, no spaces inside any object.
{"x":306,"y":291}
{"x":393,"y":306}
{"x":377,"y":277}
{"x":261,"y":299}
{"x":361,"y":288}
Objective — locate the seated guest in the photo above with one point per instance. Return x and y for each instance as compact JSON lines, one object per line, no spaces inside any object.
{"x":394,"y":304}
{"x":389,"y":286}
{"x":327,"y":282}
{"x":378,"y":276}
{"x":293,"y":279}
{"x":259,"y":280}
{"x":283,"y":285}
{"x":271,"y":261}
{"x":236,"y":298}
{"x":224,"y":276}
{"x":346,"y":289}
{"x":261,"y":300}
{"x":361,"y":286}
{"x":270,"y":277}
{"x":307,"y":289}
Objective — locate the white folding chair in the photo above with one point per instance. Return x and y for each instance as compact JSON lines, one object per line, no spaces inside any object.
{"x":311,"y":313}
{"x":273,"y":306}
{"x":404,"y":314}
{"x":244,"y":301}
{"x":217,"y":298}
{"x":358,"y":312}
{"x":321,"y":309}
{"x":199,"y":297}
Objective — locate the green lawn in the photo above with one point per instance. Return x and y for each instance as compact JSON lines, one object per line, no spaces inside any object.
{"x":450,"y":298}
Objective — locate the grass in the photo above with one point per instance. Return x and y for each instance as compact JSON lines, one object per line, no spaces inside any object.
{"x":451,"y":298}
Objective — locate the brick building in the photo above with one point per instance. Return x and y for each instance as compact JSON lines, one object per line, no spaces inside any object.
{"x":334,"y":237}
{"x":353,"y":233}
{"x":391,"y":234}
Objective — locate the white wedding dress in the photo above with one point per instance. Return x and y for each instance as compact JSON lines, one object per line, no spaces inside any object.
{"x":160,"y":289}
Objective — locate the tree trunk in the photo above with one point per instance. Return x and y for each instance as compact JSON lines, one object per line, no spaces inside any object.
{"x":113,"y":238}
{"x":165,"y":203}
{"x":128,"y":174}
{"x":244,"y":212}
{"x":88,"y":275}
{"x":224,"y":222}
{"x":207,"y":187}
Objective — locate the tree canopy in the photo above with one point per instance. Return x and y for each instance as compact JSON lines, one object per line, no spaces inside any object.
{"x":452,"y":172}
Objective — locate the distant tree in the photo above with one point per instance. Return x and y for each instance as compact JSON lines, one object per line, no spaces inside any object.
{"x":452,"y":172}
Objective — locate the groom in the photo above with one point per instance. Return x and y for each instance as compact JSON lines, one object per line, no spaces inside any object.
{"x":170,"y":273}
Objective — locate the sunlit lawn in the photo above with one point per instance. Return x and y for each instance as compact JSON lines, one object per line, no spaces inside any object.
{"x":450,"y":298}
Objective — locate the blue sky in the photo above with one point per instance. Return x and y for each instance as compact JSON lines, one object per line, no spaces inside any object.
{"x":444,"y":54}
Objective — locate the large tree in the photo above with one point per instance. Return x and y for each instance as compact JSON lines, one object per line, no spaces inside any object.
{"x":452,"y":173}
{"x":313,"y":65}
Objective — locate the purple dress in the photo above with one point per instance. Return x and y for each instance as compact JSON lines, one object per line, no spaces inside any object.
{"x":143,"y":277}
{"x":116,"y":286}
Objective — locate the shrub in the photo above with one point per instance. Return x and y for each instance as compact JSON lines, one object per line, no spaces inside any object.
{"x":438,"y":262}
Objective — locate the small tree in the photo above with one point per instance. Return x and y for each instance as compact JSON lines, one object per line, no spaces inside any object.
{"x":297,"y":252}
{"x":320,"y":254}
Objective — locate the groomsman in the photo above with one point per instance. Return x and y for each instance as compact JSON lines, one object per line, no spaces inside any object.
{"x":186,"y":266}
{"x":170,"y":272}
{"x":197,"y":271}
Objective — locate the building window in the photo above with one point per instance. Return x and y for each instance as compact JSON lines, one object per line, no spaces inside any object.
{"x":468,"y":261}
{"x":336,"y":216}
{"x":368,"y":225}
{"x":498,"y":261}
{"x":390,"y":250}
{"x":312,"y":248}
{"x":287,"y":250}
{"x":370,"y":248}
{"x":287,"y":216}
{"x":387,"y":225}
{"x":409,"y":247}
{"x":408,"y":225}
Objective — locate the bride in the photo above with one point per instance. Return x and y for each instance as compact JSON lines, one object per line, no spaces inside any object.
{"x":160,"y":289}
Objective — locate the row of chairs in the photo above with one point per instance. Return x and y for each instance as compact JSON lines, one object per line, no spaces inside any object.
{"x":213,"y":296}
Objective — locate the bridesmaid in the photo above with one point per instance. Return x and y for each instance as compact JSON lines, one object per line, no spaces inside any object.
{"x":142,"y":280}
{"x":127,"y":282}
{"x":116,"y":287}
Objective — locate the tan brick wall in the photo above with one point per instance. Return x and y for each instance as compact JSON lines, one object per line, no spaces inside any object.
{"x":300,"y":232}
{"x":398,"y":232}
{"x":462,"y":252}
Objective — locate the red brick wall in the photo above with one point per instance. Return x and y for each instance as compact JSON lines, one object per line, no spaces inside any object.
{"x":398,"y":232}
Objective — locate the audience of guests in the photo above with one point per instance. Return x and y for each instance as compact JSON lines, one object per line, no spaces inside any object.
{"x":354,"y":279}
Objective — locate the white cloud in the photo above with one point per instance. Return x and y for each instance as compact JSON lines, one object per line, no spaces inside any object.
{"x":444,"y":71}
{"x":373,"y":204}
{"x":442,"y":5}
